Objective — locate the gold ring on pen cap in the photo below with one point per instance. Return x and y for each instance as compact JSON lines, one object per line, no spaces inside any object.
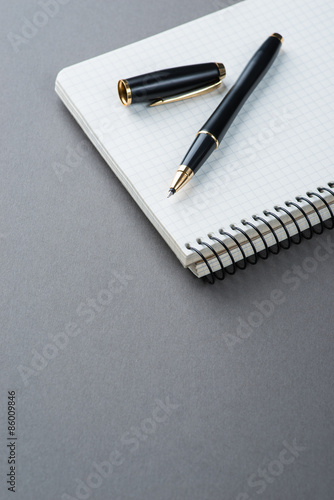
{"x":278,"y":36}
{"x":124,"y":92}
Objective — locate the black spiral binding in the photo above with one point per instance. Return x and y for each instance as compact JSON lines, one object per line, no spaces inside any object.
{"x":327,"y":223}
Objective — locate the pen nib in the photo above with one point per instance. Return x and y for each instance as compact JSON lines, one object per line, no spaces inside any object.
{"x":170,"y":192}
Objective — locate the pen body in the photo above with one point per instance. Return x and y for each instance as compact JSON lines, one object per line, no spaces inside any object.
{"x":217,"y":125}
{"x":257,"y":67}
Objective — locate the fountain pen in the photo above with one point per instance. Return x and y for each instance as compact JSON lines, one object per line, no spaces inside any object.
{"x":212,"y":132}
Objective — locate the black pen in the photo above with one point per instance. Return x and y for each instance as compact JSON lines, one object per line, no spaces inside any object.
{"x":212,"y":132}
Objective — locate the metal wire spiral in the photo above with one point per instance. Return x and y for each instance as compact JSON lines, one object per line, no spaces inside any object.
{"x":324,"y":223}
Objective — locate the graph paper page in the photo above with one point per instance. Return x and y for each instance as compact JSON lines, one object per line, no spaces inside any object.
{"x":279,"y":146}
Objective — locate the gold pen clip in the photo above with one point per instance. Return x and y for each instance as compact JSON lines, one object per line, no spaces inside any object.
{"x":194,"y":93}
{"x":188,"y":95}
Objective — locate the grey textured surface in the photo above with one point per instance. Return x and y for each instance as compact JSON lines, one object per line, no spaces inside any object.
{"x":80,"y":252}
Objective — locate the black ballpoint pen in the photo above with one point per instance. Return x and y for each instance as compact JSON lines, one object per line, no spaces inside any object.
{"x":212,"y":132}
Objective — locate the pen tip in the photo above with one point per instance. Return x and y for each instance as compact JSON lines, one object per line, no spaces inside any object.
{"x":170,"y":192}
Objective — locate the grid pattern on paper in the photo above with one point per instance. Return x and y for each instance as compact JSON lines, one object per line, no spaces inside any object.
{"x":279,"y":146}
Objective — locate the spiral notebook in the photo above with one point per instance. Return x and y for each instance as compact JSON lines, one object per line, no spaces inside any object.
{"x":275,"y":162}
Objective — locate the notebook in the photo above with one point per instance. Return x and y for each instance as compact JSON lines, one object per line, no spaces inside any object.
{"x":278,"y":149}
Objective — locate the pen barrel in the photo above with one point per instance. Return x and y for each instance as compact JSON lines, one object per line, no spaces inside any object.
{"x":172,"y":81}
{"x":257,"y":67}
{"x":199,"y":151}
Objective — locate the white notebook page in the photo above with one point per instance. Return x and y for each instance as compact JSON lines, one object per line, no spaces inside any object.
{"x":279,"y":146}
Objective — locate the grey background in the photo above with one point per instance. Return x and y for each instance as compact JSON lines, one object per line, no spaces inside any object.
{"x":163,"y":333}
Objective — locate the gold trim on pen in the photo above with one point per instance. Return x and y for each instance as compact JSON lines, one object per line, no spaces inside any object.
{"x":124,"y":92}
{"x":181,"y":177}
{"x":212,"y":136}
{"x":197,"y":92}
{"x":221,"y":69}
{"x":278,"y":36}
{"x":182,"y":97}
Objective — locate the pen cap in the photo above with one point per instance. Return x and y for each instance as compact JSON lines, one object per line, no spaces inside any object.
{"x":172,"y":84}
